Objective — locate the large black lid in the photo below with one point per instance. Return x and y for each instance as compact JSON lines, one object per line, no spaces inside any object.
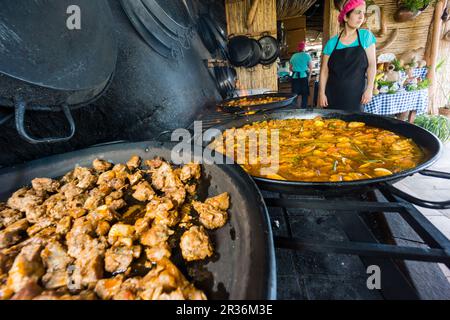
{"x":37,"y":46}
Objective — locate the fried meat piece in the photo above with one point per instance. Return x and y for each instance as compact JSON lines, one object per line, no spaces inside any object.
{"x":134,"y":162}
{"x":164,"y":281}
{"x":143,"y":191}
{"x":165,"y":179}
{"x":55,"y":260}
{"x":121,"y":233}
{"x":85,"y":178}
{"x":27,"y":267}
{"x":101,"y":165}
{"x":13,"y":233}
{"x":45,"y":185}
{"x":156,"y":235}
{"x":106,"y":289}
{"x":163,"y":211}
{"x":195,"y":244}
{"x":212,"y":213}
{"x":119,"y":258}
{"x":23,"y":199}
{"x":8,"y":216}
{"x":189,"y":171}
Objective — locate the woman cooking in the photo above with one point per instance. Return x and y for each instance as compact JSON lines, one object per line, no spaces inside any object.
{"x":348,"y":61}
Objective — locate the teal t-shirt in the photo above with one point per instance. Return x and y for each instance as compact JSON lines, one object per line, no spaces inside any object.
{"x":299,"y":62}
{"x":367,"y":39}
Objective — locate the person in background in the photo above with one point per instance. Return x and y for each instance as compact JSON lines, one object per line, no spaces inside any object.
{"x":301,"y":66}
{"x":349,"y":62}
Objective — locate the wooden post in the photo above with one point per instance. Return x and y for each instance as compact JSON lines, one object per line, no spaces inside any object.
{"x":330,"y":22}
{"x":433,"y":53}
{"x":252,"y":13}
{"x":264,"y":19}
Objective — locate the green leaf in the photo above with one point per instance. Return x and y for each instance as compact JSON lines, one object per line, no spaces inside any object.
{"x":416,"y":5}
{"x":397,"y":66}
{"x":335,"y":163}
{"x":440,"y":64}
{"x":359,"y":150}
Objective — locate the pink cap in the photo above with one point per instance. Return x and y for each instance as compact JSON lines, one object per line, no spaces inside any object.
{"x":349,"y":6}
{"x":301,"y":46}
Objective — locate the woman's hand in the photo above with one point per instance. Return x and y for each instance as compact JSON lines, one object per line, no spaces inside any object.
{"x":367,"y":96}
{"x":323,"y":101}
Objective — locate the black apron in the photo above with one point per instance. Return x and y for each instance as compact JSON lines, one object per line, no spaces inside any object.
{"x":300,"y":86}
{"x":347,"y":77}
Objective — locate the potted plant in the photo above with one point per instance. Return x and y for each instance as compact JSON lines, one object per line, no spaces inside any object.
{"x":445,"y":110}
{"x":410,"y":9}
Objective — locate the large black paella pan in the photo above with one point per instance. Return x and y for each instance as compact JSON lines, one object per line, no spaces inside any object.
{"x":428,"y":143}
{"x":244,"y":264}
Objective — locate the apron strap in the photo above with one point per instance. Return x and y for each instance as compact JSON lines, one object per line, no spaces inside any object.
{"x":337,"y":42}
{"x":359,"y":39}
{"x":339,"y":38}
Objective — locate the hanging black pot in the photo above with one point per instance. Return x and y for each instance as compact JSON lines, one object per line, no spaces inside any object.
{"x":54,"y":69}
{"x":256,"y":54}
{"x":240,"y":50}
{"x":231,"y":80}
{"x":219,"y":38}
{"x":270,"y":50}
{"x":221,"y":81}
{"x":213,"y":40}
{"x":206,"y":35}
{"x":225,"y":80}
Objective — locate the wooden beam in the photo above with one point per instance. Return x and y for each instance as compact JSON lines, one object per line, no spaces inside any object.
{"x":326,"y":23}
{"x":330,"y":22}
{"x":252,"y":13}
{"x":433,"y":53}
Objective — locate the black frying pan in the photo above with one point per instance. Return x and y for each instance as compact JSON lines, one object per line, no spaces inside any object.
{"x":289,"y":99}
{"x":429,"y":143}
{"x":240,"y":50}
{"x":245,"y":268}
{"x":270,"y":50}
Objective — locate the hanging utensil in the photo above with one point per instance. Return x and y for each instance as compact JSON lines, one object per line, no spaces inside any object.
{"x":150,"y":31}
{"x":183,"y":34}
{"x":240,"y":49}
{"x":270,"y":50}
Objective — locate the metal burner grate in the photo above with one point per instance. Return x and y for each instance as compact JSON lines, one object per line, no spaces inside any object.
{"x":353,"y":216}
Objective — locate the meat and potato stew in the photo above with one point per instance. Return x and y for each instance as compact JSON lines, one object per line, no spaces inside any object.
{"x":108,"y":232}
{"x":323,"y":150}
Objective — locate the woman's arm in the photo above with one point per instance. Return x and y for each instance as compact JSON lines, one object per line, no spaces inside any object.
{"x":371,"y":73}
{"x":323,"y":101}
